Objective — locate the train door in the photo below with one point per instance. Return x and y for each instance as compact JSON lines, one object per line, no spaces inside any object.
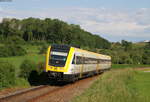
{"x":74,"y":64}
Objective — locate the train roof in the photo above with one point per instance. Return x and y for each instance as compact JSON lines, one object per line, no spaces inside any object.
{"x":67,"y":47}
{"x":93,"y":53}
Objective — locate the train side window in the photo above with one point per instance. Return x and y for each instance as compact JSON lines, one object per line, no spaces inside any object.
{"x":73,"y":61}
{"x":79,"y":60}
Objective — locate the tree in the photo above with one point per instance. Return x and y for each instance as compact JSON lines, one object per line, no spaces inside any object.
{"x":127,"y":45}
{"x":146,"y":57}
{"x":147,"y":46}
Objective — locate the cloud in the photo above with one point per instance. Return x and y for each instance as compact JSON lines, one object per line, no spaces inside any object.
{"x":1,"y":9}
{"x":109,"y":23}
{"x":114,"y":23}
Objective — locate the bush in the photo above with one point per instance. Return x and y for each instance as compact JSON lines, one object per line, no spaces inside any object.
{"x":4,"y":52}
{"x":26,"y":68}
{"x":146,"y":57}
{"x":12,"y":50}
{"x":37,"y":43}
{"x":15,"y":40}
{"x":40,"y":67}
{"x":16,"y":50}
{"x":21,"y":82}
{"x":43,"y":49}
{"x":7,"y":75}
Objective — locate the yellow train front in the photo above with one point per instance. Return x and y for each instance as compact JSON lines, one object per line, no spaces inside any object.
{"x":66,"y":63}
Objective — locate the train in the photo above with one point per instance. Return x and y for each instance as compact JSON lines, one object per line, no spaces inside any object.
{"x":67,"y":63}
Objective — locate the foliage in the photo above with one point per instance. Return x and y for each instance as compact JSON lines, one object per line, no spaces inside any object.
{"x":33,"y":72}
{"x":21,"y":82}
{"x":26,"y":68}
{"x":11,"y":50}
{"x":12,"y":47}
{"x":51,"y":31}
{"x":147,"y":46}
{"x":14,"y":40}
{"x":128,"y":53}
{"x":40,"y":67}
{"x":17,"y":60}
{"x":43,"y":49}
{"x":7,"y":75}
{"x":127,"y":45}
{"x":146,"y":57}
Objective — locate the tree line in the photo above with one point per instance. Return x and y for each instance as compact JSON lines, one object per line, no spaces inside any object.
{"x":51,"y":31}
{"x":125,"y":52}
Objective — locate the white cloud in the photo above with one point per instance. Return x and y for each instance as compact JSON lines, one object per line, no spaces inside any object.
{"x":1,"y":9}
{"x":108,"y":22}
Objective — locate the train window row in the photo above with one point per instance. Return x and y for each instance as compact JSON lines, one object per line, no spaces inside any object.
{"x":87,"y":60}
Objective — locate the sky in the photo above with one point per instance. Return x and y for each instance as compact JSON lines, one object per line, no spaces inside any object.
{"x":114,"y":20}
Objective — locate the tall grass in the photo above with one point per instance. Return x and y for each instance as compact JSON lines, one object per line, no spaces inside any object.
{"x":112,"y":86}
{"x":143,"y":85}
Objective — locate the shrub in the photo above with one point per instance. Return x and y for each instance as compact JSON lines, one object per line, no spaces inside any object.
{"x":146,"y":57}
{"x":12,"y":50}
{"x":40,"y":67}
{"x":15,"y":40}
{"x":7,"y":75}
{"x":4,"y":52}
{"x":26,"y":68}
{"x":21,"y":82}
{"x":37,"y":43}
{"x":43,"y":49}
{"x":33,"y":78}
{"x":17,"y":50}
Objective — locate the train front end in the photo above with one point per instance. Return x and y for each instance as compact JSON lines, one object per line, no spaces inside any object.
{"x":57,"y":61}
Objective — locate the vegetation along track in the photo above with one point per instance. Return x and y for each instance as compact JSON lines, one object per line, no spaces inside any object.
{"x":56,"y":93}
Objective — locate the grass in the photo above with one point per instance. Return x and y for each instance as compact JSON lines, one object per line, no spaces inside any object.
{"x":32,"y":49}
{"x":32,"y":54}
{"x":17,"y":60}
{"x":139,"y":45}
{"x":122,"y":85}
{"x":142,"y":84}
{"x":118,"y":66}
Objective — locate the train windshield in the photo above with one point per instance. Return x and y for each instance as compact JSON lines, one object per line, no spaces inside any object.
{"x":58,"y":58}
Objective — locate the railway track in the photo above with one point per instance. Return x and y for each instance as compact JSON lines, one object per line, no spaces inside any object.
{"x":21,"y":92}
{"x":27,"y":94}
{"x":46,"y":93}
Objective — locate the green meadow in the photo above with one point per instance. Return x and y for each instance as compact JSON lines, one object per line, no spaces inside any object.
{"x":17,"y":60}
{"x":32,"y":54}
{"x":120,"y":85}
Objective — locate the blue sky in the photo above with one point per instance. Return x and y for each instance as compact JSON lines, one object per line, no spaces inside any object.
{"x":112,"y":19}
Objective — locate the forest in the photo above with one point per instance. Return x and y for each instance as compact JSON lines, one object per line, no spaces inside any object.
{"x":51,"y":31}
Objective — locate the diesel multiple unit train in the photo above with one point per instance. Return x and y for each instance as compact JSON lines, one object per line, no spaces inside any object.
{"x":66,"y":63}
